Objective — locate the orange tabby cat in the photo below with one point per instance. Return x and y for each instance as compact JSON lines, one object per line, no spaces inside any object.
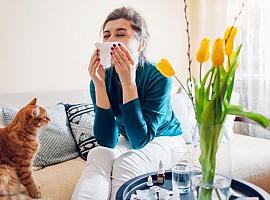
{"x":18,"y":145}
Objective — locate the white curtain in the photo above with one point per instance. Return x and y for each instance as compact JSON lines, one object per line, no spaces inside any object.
{"x":253,"y":75}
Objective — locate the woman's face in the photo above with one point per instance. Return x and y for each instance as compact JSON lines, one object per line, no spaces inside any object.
{"x":120,"y":31}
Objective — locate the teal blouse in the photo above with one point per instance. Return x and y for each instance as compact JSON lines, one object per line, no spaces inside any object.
{"x":140,"y":120}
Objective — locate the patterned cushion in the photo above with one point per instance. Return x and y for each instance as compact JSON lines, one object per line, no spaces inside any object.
{"x":56,"y":142}
{"x":81,"y":120}
{"x":2,"y":122}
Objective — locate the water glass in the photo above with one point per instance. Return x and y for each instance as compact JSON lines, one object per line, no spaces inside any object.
{"x":181,"y":158}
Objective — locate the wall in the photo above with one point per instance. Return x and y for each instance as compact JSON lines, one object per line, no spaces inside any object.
{"x":46,"y":45}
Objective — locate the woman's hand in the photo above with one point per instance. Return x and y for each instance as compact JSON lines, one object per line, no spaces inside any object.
{"x":124,"y":65}
{"x":97,"y":74}
{"x":96,"y":70}
{"x":126,"y":70}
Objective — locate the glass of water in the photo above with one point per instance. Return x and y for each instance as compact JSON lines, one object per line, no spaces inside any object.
{"x":181,"y":158}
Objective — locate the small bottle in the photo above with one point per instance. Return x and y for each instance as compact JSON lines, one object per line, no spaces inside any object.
{"x":149,"y":181}
{"x":160,"y":174}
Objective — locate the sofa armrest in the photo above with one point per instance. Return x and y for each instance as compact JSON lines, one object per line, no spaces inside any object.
{"x":248,"y":121}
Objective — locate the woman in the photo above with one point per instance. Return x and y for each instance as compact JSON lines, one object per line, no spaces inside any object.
{"x":131,"y":98}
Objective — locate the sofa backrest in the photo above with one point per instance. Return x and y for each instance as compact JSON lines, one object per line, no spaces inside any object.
{"x":45,"y":98}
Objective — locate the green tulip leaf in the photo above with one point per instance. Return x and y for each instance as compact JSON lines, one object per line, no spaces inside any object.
{"x":238,"y":110}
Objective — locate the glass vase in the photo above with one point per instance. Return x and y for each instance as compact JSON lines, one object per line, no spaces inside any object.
{"x":211,"y":179}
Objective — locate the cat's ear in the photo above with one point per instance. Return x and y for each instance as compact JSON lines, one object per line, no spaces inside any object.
{"x":33,"y":102}
{"x":35,"y":112}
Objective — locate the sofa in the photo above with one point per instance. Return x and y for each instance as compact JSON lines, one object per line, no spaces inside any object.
{"x":250,"y":156}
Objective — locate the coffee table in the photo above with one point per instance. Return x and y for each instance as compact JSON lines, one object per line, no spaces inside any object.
{"x":242,"y":187}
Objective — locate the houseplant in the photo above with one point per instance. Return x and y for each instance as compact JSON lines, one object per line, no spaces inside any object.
{"x":210,"y":95}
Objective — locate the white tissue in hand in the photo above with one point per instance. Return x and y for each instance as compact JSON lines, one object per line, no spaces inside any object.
{"x":104,"y":50}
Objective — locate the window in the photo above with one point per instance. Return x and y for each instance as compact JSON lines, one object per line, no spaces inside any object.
{"x":253,"y":76}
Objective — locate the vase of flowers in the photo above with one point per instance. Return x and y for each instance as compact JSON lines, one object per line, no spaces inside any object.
{"x":212,"y":174}
{"x":211,"y":94}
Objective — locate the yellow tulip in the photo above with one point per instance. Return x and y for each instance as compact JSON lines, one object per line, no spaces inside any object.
{"x":165,"y":68}
{"x":218,"y":53}
{"x":229,"y":36}
{"x":203,"y":53}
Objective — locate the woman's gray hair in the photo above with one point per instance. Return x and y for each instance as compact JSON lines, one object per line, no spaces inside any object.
{"x":138,"y":24}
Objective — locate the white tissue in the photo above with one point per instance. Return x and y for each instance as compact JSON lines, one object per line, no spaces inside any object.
{"x":163,"y":195}
{"x":175,"y":196}
{"x":147,"y":194}
{"x":105,"y":49}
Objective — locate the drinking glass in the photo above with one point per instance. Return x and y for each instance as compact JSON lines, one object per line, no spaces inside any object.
{"x":181,"y":169}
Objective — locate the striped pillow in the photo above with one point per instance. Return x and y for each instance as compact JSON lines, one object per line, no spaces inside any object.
{"x":81,"y":121}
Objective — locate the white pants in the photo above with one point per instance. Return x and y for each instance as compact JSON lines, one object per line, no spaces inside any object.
{"x":107,"y":169}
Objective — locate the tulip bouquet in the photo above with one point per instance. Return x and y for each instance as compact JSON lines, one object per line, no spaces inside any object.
{"x":210,"y":95}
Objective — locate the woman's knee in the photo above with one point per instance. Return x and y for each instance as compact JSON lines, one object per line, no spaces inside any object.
{"x":102,"y":155}
{"x":130,"y":164}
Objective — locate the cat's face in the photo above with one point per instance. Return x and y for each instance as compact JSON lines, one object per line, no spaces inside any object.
{"x":33,"y":115}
